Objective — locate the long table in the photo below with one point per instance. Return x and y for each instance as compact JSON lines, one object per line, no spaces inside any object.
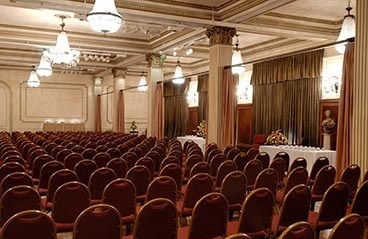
{"x":55,"y":127}
{"x":201,"y":142}
{"x":309,"y":153}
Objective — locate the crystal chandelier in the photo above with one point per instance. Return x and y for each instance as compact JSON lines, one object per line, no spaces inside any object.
{"x":178,"y":76}
{"x":33,"y":80}
{"x":142,"y":85}
{"x":347,"y":30}
{"x":44,"y":68}
{"x":236,"y":60}
{"x":104,"y":17}
{"x":62,"y":53}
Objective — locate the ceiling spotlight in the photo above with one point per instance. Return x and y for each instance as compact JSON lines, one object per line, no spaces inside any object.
{"x":189,"y":51}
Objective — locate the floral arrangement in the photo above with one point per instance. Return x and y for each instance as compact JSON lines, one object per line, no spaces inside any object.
{"x":201,"y":129}
{"x":277,"y":138}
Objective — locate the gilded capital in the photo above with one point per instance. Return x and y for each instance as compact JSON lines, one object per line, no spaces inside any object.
{"x":155,"y":60}
{"x":221,"y":35}
{"x":118,"y":72}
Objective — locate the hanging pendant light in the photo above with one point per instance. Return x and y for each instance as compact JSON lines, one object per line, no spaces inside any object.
{"x":33,"y":80}
{"x":347,"y":30}
{"x":104,"y":17}
{"x":236,"y":60}
{"x":178,"y":76}
{"x":44,"y":68}
{"x":142,"y":85}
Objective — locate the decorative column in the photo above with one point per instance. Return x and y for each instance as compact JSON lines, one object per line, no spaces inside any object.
{"x":359,"y":137}
{"x":155,"y":74}
{"x":220,"y":56}
{"x":119,"y":83}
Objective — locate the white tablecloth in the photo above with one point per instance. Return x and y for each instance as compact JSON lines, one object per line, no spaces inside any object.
{"x":309,"y":153}
{"x":201,"y":142}
{"x":55,"y":127}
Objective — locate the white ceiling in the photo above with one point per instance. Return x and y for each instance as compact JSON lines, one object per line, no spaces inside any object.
{"x":266,"y":28}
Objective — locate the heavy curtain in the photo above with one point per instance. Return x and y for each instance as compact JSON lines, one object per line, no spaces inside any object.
{"x":202,"y":89}
{"x":286,"y":96}
{"x":121,"y":113}
{"x":228,"y":97}
{"x":98,"y":114}
{"x":343,"y":152}
{"x":176,"y":109}
{"x":158,"y":127}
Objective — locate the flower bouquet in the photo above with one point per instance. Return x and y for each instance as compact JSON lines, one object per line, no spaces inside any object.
{"x":277,"y":138}
{"x":201,"y":129}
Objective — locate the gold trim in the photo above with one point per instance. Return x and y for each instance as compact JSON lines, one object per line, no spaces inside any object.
{"x":301,"y":18}
{"x":239,"y":8}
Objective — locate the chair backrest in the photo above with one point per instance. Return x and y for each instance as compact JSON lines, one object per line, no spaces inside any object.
{"x":351,"y":176}
{"x":233,"y":187}
{"x":89,"y":153}
{"x":33,"y":155}
{"x":210,"y":217}
{"x":228,"y":148}
{"x":212,"y":153}
{"x":157,"y":159}
{"x":191,"y":161}
{"x":241,"y":160}
{"x":232,"y":153}
{"x":15,"y":158}
{"x":238,"y":236}
{"x":201,"y":167}
{"x":130,"y":158}
{"x":334,"y":202}
{"x":256,"y":213}
{"x":38,"y":163}
{"x":84,"y":169}
{"x":98,"y":221}
{"x":209,"y":149}
{"x":298,"y":176}
{"x":113,"y":152}
{"x":15,"y":179}
{"x":62,"y":154}
{"x":198,"y":186}
{"x":299,"y":230}
{"x":72,"y":159}
{"x":295,"y":207}
{"x":115,"y":191}
{"x":119,"y":166}
{"x":252,"y":152}
{"x":9,"y":168}
{"x":101,"y":159}
{"x":351,"y":226}
{"x":280,"y":166}
{"x":29,"y":224}
{"x":141,"y":177}
{"x":162,"y":187}
{"x":317,"y":165}
{"x":169,"y":160}
{"x":47,"y":170}
{"x":267,"y":178}
{"x":157,"y":219}
{"x":285,"y":156}
{"x":18,"y":199}
{"x":101,"y":148}
{"x":251,"y":171}
{"x":78,"y":149}
{"x":324,"y":179}
{"x":264,"y":157}
{"x":224,"y":169}
{"x":298,"y":162}
{"x":98,"y":181}
{"x":360,"y":205}
{"x":148,"y":162}
{"x":70,"y":199}
{"x":57,"y":179}
{"x":174,"y":171}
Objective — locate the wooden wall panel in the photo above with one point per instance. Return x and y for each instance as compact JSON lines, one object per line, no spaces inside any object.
{"x":193,"y":120}
{"x":244,"y":124}
{"x":333,"y":106}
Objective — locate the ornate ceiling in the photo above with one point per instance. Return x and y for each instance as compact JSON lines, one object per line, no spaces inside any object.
{"x":266,"y":28}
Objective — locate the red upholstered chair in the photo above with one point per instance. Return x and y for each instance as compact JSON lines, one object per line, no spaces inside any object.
{"x":130,"y":158}
{"x":177,"y":153}
{"x":298,"y":230}
{"x":84,"y":169}
{"x":232,"y":153}
{"x":317,"y":165}
{"x":241,"y":160}
{"x":72,"y":159}
{"x":101,"y":148}
{"x":351,"y":226}
{"x":141,"y":178}
{"x":157,"y":219}
{"x":190,"y":162}
{"x":201,"y":167}
{"x":113,"y":194}
{"x":98,"y":221}
{"x":37,"y":165}
{"x":157,"y":159}
{"x":332,"y":209}
{"x":123,"y":148}
{"x":169,"y":160}
{"x":256,"y":215}
{"x":29,"y":224}
{"x":162,"y":187}
{"x":209,"y":218}
{"x":98,"y":181}
{"x":257,"y":140}
{"x":119,"y":166}
{"x":267,"y":178}
{"x":298,"y":162}
{"x":62,"y":154}
{"x":251,"y":171}
{"x":212,"y":153}
{"x":101,"y":159}
{"x":224,"y":169}
{"x":215,"y":163}
{"x":78,"y":149}
{"x":18,"y":199}
{"x":9,"y":168}
{"x":295,"y":208}
{"x":351,"y":176}
{"x":252,"y":153}
{"x":15,"y":179}
{"x":324,"y":179}
{"x":264,"y":157}
{"x":113,"y":152}
{"x":285,"y":156}
{"x":279,"y":165}
{"x":149,"y":163}
{"x":238,"y":236}
{"x":233,"y":187}
{"x":15,"y":158}
{"x":209,"y":149}
{"x":70,"y":199}
{"x":89,"y":153}
{"x":228,"y":148}
{"x":46,"y":171}
{"x":360,"y":205}
{"x":174,"y":171}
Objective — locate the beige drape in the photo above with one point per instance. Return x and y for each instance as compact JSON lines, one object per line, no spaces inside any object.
{"x":121,"y":113}
{"x":343,"y":152}
{"x":202,"y":89}
{"x":286,"y":96}
{"x":228,"y":97}
{"x":98,"y":114}
{"x":158,"y":127}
